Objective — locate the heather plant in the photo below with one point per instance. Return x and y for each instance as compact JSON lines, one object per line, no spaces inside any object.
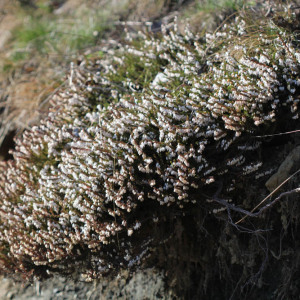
{"x":156,"y":129}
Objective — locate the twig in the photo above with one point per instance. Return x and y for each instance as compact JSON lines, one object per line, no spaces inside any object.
{"x":265,"y":199}
{"x":231,"y":207}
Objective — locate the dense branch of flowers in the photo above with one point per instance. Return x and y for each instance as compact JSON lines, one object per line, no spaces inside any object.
{"x":153,"y":125}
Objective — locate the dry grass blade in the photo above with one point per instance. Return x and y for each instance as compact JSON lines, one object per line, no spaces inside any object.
{"x":277,"y":134}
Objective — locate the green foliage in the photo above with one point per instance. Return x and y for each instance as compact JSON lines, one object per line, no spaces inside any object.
{"x":34,"y":35}
{"x":46,"y":34}
{"x":215,"y":5}
{"x":20,"y":55}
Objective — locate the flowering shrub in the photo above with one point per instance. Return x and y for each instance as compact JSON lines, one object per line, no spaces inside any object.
{"x":151,"y":130}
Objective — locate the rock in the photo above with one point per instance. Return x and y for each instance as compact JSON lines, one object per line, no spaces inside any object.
{"x":5,"y":285}
{"x":284,"y":170}
{"x":147,"y":284}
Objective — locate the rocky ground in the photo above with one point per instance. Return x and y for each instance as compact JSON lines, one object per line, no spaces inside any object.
{"x":148,"y":284}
